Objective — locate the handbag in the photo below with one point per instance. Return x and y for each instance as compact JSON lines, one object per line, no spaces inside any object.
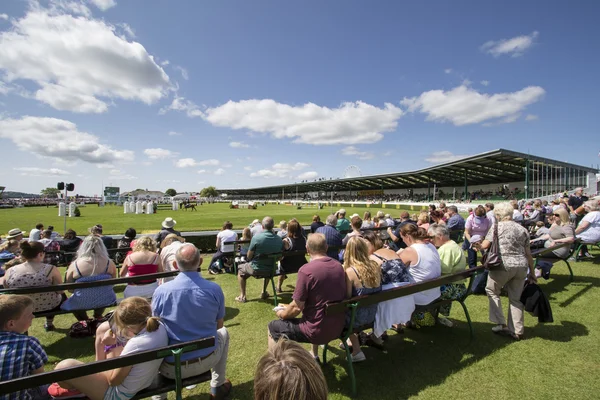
{"x":491,"y":259}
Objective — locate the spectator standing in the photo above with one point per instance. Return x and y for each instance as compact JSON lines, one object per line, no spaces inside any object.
{"x":476,"y":227}
{"x":167,"y":228}
{"x":177,"y":304}
{"x":36,"y":233}
{"x":266,"y":242}
{"x":332,"y":236}
{"x":316,"y":223}
{"x":321,"y":281}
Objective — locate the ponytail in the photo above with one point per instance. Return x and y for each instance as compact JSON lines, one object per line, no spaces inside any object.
{"x":416,"y":233}
{"x":152,"y":324}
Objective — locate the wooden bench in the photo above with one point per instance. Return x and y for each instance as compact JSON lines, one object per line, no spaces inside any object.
{"x":538,"y":255}
{"x":352,"y":304}
{"x":164,"y":385}
{"x":82,"y":285}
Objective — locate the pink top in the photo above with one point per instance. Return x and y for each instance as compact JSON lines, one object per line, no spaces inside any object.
{"x":143,"y":269}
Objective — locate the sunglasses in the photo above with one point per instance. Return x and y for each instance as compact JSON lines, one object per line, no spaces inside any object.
{"x":556,"y":215}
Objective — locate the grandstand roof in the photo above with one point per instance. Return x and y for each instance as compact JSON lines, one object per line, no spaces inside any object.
{"x":496,"y":166}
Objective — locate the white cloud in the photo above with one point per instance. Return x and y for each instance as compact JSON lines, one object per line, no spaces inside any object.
{"x":247,"y":168}
{"x":464,"y":105}
{"x":105,"y":166}
{"x":308,"y":175}
{"x":59,"y":139}
{"x":165,"y":63}
{"x":183,"y":71}
{"x":201,"y":171}
{"x":103,"y":4}
{"x":173,"y":133}
{"x":279,"y":170}
{"x":159,"y":153}
{"x":4,"y":17}
{"x":353,"y":151}
{"x":119,"y":175}
{"x":220,"y":171}
{"x":238,"y":145}
{"x":190,"y":162}
{"x":531,"y":117}
{"x":448,"y":70}
{"x":70,"y":6}
{"x":34,"y":171}
{"x":440,"y":157}
{"x":514,"y":46}
{"x":81,"y":59}
{"x":350,"y":123}
{"x":127,"y":29}
{"x":181,"y":104}
{"x":485,"y":83}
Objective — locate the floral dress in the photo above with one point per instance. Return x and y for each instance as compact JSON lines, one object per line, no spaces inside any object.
{"x":25,"y":275}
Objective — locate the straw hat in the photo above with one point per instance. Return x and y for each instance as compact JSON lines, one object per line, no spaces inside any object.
{"x":13,"y":233}
{"x":168,"y":223}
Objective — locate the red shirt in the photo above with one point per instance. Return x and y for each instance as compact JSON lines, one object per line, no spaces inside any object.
{"x":320,"y":282}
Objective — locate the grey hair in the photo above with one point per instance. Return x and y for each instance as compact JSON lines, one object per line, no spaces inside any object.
{"x":439,"y":230}
{"x":187,"y":262}
{"x":92,"y":247}
{"x":268,"y":223}
{"x":504,"y":211}
{"x":331,"y":220}
{"x":453,"y":209}
{"x":593,"y":205}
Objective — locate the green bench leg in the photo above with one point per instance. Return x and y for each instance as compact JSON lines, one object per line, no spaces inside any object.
{"x":577,"y":251}
{"x":178,"y":384}
{"x":350,"y":368}
{"x":464,"y":306}
{"x":274,"y":291}
{"x":570,"y":270}
{"x":325,"y":347}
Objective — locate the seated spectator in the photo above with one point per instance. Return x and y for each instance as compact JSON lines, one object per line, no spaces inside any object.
{"x":15,"y":234}
{"x":321,"y":281}
{"x":142,"y":260}
{"x":256,"y":227}
{"x":455,"y":223}
{"x":36,"y":233}
{"x":389,"y":221}
{"x":223,"y":250}
{"x":133,"y":318}
{"x":476,"y":227}
{"x":588,"y":230}
{"x":536,"y":214}
{"x":96,"y":230}
{"x":34,"y":273}
{"x":437,"y":217}
{"x":126,"y":242}
{"x":316,"y":223}
{"x":169,"y":247}
{"x":395,"y":234}
{"x":356,"y":224}
{"x":282,"y":233}
{"x":8,"y":251}
{"x":489,"y":212}
{"x":367,"y":221}
{"x":423,"y":220}
{"x":342,"y":225}
{"x":177,"y":304}
{"x":288,"y":372}
{"x":540,"y":229}
{"x":295,"y":241}
{"x":266,"y":242}
{"x":393,"y":269}
{"x":452,"y":260}
{"x":517,"y":216}
{"x":92,"y":264}
{"x":363,"y":277}
{"x":55,"y":235}
{"x":167,"y":228}
{"x":332,"y":236}
{"x":51,"y":248}
{"x":20,"y":355}
{"x":243,"y":247}
{"x":69,"y":245}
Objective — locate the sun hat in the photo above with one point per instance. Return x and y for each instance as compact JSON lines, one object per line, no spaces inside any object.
{"x":342,"y":211}
{"x":168,"y":223}
{"x":13,"y":233}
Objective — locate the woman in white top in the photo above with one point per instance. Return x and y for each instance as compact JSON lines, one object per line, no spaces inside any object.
{"x":134,"y":321}
{"x":423,"y":260}
{"x":588,"y":230}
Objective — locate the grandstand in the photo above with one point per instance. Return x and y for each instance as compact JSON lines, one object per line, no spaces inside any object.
{"x":505,"y":173}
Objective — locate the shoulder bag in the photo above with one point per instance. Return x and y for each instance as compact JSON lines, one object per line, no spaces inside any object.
{"x":491,"y":260}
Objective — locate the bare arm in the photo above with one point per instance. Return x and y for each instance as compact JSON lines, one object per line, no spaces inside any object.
{"x":292,"y":310}
{"x":409,"y":256}
{"x":583,"y":225}
{"x":117,"y":376}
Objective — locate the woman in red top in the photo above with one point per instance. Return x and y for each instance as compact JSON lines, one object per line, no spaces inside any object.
{"x":143,"y":260}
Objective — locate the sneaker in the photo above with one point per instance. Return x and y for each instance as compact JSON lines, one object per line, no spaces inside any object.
{"x":358,"y":357}
{"x":57,"y":392}
{"x":221,"y":392}
{"x":213,"y":272}
{"x":587,"y":255}
{"x":499,"y":329}
{"x":49,"y":327}
{"x":445,"y":321}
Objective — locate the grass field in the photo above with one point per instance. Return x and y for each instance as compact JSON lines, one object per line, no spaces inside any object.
{"x":557,"y":361}
{"x":208,"y":217}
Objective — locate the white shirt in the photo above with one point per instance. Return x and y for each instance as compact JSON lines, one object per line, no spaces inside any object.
{"x":490,"y":215}
{"x":142,"y":375}
{"x":256,"y":229}
{"x":167,"y":255}
{"x":428,"y":267}
{"x":517,"y":216}
{"x":35,"y":235}
{"x":227,"y":236}
{"x":592,"y":233}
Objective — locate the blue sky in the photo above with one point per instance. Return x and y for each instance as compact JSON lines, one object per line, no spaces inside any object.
{"x":187,"y":94}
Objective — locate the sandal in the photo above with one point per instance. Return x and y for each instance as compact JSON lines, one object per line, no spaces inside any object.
{"x":264,"y":296}
{"x":240,"y":299}
{"x":279,"y":290}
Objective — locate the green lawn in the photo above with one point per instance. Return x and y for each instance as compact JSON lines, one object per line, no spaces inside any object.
{"x":557,"y":361}
{"x":208,"y":217}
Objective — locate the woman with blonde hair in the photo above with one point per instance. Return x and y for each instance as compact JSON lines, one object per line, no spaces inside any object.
{"x":423,"y":220}
{"x":288,"y":371}
{"x":561,"y":231}
{"x":133,"y":321}
{"x":363,"y":276}
{"x":142,"y":260}
{"x":367,"y":221}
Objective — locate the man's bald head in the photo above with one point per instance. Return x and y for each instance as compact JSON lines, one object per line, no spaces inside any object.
{"x":188,"y":257}
{"x":316,"y":244}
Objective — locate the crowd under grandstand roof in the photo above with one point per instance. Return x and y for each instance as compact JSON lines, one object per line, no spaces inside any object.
{"x":496,"y":166}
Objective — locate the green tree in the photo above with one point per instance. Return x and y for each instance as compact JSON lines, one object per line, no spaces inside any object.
{"x":171,"y":192}
{"x":50,"y":192}
{"x":210,"y":191}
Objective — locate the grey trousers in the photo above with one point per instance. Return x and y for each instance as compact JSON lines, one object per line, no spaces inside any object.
{"x":513,"y":280}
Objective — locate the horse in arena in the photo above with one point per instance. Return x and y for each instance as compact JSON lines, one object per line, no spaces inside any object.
{"x":189,"y":205}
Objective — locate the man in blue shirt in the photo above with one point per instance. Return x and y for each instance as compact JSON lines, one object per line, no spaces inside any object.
{"x":332,"y":236}
{"x":266,"y":242}
{"x":455,"y":223}
{"x":191,"y":308}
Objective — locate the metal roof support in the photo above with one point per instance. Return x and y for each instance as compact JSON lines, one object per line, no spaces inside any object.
{"x":466,"y":185}
{"x":527,"y":179}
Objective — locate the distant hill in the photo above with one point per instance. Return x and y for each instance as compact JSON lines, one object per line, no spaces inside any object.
{"x":18,"y":195}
